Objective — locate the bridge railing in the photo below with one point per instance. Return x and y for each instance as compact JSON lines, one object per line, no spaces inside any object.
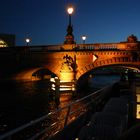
{"x":109,"y":46}
{"x":48,"y":125}
{"x":75,"y":46}
{"x":96,"y":46}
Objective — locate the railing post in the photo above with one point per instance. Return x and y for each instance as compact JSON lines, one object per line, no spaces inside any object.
{"x":67,"y":115}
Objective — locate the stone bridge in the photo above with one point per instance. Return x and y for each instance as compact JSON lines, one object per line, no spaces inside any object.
{"x":68,"y":61}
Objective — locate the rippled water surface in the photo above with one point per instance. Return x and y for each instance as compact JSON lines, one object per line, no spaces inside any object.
{"x":21,"y":102}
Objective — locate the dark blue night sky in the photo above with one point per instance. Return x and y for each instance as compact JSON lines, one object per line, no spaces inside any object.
{"x":45,"y":21}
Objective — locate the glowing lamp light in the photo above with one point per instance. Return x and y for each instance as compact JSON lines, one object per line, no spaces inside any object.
{"x":70,"y":10}
{"x":84,"y":38}
{"x":27,"y":40}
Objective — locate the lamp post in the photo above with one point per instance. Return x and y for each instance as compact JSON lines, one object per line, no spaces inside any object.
{"x":27,"y":40}
{"x":70,"y":11}
{"x":84,"y":39}
{"x":69,"y":37}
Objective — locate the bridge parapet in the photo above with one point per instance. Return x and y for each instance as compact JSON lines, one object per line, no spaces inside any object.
{"x":74,"y":47}
{"x":97,"y":46}
{"x":110,"y":46}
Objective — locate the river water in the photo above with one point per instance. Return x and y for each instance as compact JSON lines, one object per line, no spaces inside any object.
{"x":22,"y":102}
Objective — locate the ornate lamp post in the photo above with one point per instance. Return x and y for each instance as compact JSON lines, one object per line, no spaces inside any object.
{"x":69,"y":37}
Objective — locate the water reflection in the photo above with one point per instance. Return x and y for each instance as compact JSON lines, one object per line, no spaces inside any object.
{"x":21,"y":102}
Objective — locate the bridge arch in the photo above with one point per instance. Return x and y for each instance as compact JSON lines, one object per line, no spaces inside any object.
{"x":32,"y":74}
{"x":115,"y":61}
{"x":84,"y":80}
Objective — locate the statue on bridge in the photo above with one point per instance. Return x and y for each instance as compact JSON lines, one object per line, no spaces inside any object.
{"x":69,"y":63}
{"x":68,"y":69}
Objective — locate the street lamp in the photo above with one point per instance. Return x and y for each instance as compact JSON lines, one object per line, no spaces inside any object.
{"x":70,"y":10}
{"x":27,"y":41}
{"x":69,"y":37}
{"x":84,"y":39}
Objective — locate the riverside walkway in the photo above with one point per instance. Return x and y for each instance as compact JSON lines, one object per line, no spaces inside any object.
{"x":119,"y":119}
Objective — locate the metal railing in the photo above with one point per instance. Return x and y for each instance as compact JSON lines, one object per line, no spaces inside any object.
{"x":48,"y":125}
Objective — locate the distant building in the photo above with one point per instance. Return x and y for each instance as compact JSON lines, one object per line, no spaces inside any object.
{"x":7,"y":40}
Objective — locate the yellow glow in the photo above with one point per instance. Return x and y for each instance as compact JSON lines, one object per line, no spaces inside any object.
{"x":2,"y":43}
{"x":65,"y":86}
{"x":55,"y":77}
{"x":53,"y":88}
{"x":62,"y":81}
{"x":138,"y":112}
{"x":65,"y":89}
{"x":70,"y":10}
{"x":138,"y":101}
{"x":53,"y":85}
{"x":66,"y":76}
{"x":52,"y":80}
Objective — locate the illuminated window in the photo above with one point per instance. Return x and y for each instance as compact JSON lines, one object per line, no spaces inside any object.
{"x":3,"y":44}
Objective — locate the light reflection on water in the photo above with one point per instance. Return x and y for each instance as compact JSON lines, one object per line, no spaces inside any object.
{"x":23,"y":102}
